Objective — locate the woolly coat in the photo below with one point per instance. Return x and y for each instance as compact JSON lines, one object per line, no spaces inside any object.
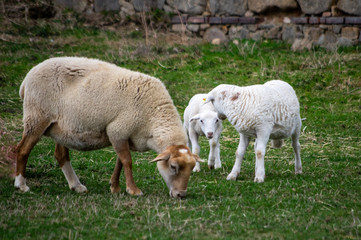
{"x":273,"y":105}
{"x":90,"y":103}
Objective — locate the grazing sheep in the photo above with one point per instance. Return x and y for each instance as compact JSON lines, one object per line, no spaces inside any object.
{"x":268,"y":111}
{"x":201,"y":120}
{"x":87,"y":104}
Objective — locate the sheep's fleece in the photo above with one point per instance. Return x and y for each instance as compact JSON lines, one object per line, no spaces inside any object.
{"x":268,"y":111}
{"x":89,"y":98}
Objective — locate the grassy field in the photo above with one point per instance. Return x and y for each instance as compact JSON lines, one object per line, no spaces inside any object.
{"x":322,"y":203}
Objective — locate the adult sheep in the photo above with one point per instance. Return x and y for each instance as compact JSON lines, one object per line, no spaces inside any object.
{"x":268,"y":111}
{"x":87,"y":104}
{"x":201,"y":120}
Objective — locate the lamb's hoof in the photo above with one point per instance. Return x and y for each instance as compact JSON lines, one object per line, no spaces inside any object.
{"x":299,"y":171}
{"x":23,"y":188}
{"x":210,"y":167}
{"x":80,"y":188}
{"x":114,"y":189}
{"x":21,"y":184}
{"x":134,"y":192}
{"x":232,"y":176}
{"x":217,"y":166}
{"x":196,"y":169}
{"x":259,"y":179}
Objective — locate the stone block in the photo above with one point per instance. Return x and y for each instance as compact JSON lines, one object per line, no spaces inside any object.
{"x":228,"y":7}
{"x":351,"y":33}
{"x":353,"y":20}
{"x":299,"y":20}
{"x":214,"y":33}
{"x":334,"y":20}
{"x":78,"y":6}
{"x":314,"y":20}
{"x":147,"y":5}
{"x":197,"y":19}
{"x":179,"y":19}
{"x":259,"y":6}
{"x":193,"y":27}
{"x":229,"y":20}
{"x":247,"y":20}
{"x":179,"y":28}
{"x":106,"y":5}
{"x":192,"y":7}
{"x":352,"y":7}
{"x":215,"y":20}
{"x":315,"y":7}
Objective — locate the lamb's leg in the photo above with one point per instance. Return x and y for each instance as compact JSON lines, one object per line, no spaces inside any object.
{"x":241,"y":149}
{"x":31,"y":136}
{"x":114,"y":180}
{"x":260,"y":150}
{"x":62,"y":156}
{"x":123,"y":152}
{"x":218,"y":156}
{"x":193,"y":137}
{"x":297,"y":149}
{"x":214,"y":160}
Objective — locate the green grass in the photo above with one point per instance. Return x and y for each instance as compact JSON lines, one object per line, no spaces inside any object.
{"x":322,"y":203}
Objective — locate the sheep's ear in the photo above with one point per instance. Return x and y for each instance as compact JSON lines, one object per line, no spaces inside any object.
{"x":197,"y":158}
{"x":164,"y":156}
{"x":208,"y":99}
{"x":196,"y":117}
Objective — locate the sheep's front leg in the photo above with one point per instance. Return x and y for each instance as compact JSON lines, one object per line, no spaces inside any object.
{"x":114,"y":180}
{"x":260,"y":150}
{"x":123,"y":152}
{"x":193,"y":137}
{"x":62,"y":156}
{"x":241,"y":149}
{"x":214,"y":159}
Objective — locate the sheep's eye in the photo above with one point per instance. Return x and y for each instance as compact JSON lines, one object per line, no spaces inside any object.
{"x":173,"y":168}
{"x":216,"y":120}
{"x":201,"y":121}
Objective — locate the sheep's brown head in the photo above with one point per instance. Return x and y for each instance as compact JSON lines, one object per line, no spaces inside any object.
{"x":175,"y":164}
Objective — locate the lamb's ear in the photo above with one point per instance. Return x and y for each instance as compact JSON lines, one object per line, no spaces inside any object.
{"x":208,"y":99}
{"x":164,"y":156}
{"x":197,"y":158}
{"x":195,"y":117}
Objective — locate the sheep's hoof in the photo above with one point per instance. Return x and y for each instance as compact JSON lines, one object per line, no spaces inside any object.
{"x":134,"y":192}
{"x":210,"y":167}
{"x":115,"y":189}
{"x":23,"y":188}
{"x":232,"y":176}
{"x":299,"y":171}
{"x":217,"y":166}
{"x":80,"y":188}
{"x":259,"y":179}
{"x":196,"y":169}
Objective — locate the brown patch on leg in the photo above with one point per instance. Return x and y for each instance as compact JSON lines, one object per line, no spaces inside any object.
{"x":122,"y":149}
{"x":61,"y":154}
{"x":259,"y":154}
{"x":114,"y":180}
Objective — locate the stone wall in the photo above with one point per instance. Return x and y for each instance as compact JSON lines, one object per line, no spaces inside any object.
{"x":302,"y":23}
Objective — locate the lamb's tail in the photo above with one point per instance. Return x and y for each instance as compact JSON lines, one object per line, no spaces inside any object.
{"x":22,"y":90}
{"x":277,"y":143}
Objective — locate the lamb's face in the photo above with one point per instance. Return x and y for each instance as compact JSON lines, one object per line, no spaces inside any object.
{"x":175,"y":165}
{"x":209,"y":123}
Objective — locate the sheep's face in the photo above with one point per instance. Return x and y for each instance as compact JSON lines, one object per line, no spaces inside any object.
{"x":175,"y":165}
{"x":209,"y":123}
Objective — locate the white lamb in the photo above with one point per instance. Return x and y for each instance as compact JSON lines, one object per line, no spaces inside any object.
{"x":87,"y":104}
{"x":268,"y":111}
{"x":201,"y":120}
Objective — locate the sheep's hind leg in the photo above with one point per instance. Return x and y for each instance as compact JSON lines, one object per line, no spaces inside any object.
{"x":62,"y":156}
{"x":241,"y":149}
{"x":297,"y":149}
{"x":193,"y":138}
{"x":123,"y":152}
{"x":31,"y":136}
{"x":114,"y":180}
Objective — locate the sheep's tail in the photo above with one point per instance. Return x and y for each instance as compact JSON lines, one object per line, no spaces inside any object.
{"x":277,"y":143}
{"x":22,"y":90}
